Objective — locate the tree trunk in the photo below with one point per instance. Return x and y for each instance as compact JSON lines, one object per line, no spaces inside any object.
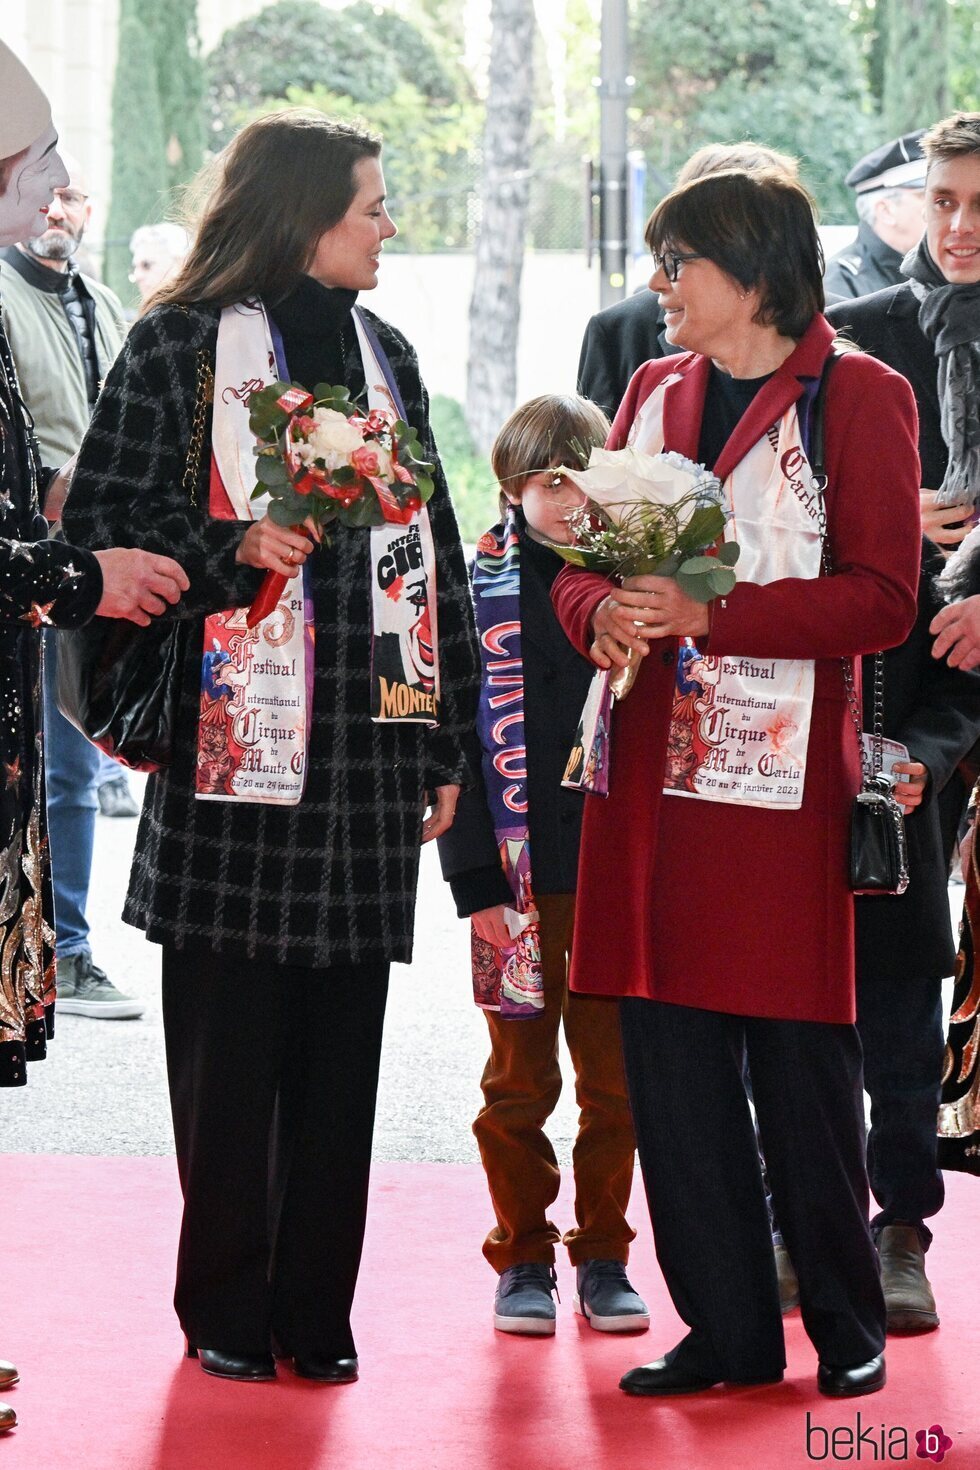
{"x":915,"y":89}
{"x":495,"y":306}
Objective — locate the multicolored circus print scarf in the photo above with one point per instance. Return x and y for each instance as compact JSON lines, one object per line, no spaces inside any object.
{"x":506,"y":980}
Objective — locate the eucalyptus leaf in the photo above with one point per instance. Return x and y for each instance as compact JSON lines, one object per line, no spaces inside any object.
{"x":363,"y":512}
{"x":698,"y":564}
{"x":722,"y":580}
{"x":281,"y":513}
{"x":425,"y":485}
{"x":696,"y":584}
{"x":729,"y":553}
{"x":271,"y":470}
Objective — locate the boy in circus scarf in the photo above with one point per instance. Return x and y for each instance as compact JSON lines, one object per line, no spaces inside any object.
{"x":511,"y":859}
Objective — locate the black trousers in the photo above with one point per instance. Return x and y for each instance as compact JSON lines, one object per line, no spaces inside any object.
{"x":273,"y":1076}
{"x":900,"y":1023}
{"x":704,"y":1186}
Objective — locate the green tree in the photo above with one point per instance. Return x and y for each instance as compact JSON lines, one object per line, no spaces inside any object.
{"x":358,"y":52}
{"x":180,"y":77}
{"x":788,"y":73}
{"x":140,"y":179}
{"x":426,"y":158}
{"x":915,"y":91}
{"x":964,"y":74}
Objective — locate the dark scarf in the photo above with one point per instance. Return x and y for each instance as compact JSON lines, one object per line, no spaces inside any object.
{"x":949,"y":316}
{"x":318,"y":335}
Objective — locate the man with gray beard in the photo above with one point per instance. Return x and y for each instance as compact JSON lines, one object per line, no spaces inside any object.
{"x":64,"y":331}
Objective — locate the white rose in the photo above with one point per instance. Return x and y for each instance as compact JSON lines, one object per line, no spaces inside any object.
{"x":618,"y":479}
{"x":384,"y":462}
{"x":333,"y":439}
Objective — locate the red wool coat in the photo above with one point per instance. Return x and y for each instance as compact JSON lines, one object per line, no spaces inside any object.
{"x":736,"y":908}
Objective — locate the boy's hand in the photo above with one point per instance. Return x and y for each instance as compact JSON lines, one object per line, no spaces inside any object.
{"x":491,"y":926}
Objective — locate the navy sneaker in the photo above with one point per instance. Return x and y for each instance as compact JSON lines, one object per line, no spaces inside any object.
{"x":523,"y":1301}
{"x":605,"y":1298}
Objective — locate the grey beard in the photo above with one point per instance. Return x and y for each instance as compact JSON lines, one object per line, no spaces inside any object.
{"x":58,"y":247}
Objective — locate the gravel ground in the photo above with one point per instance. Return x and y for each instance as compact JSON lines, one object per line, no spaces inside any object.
{"x":102,"y":1088}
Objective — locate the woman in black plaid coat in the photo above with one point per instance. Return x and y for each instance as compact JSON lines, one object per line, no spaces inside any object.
{"x":278,"y":923}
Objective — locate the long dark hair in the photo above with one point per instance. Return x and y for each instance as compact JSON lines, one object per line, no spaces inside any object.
{"x":280,"y":183}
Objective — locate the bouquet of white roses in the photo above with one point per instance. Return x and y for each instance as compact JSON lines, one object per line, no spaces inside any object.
{"x":659,"y":514}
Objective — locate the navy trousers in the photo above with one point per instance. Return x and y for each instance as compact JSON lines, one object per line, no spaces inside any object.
{"x":704,"y":1187}
{"x":900,"y":1023}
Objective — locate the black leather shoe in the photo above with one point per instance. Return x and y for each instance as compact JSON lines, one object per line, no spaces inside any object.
{"x":662,"y":1378}
{"x":657,"y":1380}
{"x":244,"y":1367}
{"x":322,"y":1369}
{"x":849,"y":1383}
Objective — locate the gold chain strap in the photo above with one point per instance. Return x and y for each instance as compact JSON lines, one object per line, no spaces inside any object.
{"x":205,"y":394}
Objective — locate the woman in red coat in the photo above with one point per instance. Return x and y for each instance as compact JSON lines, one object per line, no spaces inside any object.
{"x":726,"y":825}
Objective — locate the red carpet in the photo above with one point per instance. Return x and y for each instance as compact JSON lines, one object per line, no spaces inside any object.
{"x":87,"y":1257}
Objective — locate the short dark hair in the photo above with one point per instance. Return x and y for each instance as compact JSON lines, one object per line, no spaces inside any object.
{"x":955,"y":136}
{"x":760,"y":229}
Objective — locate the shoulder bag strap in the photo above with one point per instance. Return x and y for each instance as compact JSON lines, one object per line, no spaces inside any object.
{"x":870,"y":768}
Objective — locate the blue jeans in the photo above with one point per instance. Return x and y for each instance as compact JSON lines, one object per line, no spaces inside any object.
{"x":73,"y":768}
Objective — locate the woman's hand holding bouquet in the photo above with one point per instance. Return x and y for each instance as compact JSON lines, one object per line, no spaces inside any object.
{"x":654,"y":522}
{"x":319,"y":460}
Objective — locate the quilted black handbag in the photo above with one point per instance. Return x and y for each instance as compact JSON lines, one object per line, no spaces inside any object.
{"x":118,"y":683}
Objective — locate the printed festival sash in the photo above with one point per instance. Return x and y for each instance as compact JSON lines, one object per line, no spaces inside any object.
{"x":507,"y":980}
{"x":740,"y":727}
{"x":257,"y":683}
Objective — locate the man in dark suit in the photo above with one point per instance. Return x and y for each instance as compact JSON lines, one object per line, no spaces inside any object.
{"x":620,"y":338}
{"x":903,"y":948}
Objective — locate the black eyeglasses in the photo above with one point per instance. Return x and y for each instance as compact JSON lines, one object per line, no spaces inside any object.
{"x":670,"y":262}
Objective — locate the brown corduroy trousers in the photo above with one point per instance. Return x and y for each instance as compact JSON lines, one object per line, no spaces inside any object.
{"x":521,"y":1085}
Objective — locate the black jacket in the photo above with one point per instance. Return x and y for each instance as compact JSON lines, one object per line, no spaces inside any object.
{"x":887,"y":325}
{"x":616,"y":342}
{"x":931,"y":708}
{"x":556,"y":682}
{"x":332,"y":880}
{"x":866,"y":265}
{"x":935,"y":711}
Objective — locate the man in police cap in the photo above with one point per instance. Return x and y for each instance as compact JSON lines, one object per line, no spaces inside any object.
{"x":888,"y":184}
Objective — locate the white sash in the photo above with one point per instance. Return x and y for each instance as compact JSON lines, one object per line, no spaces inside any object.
{"x":740,"y":726}
{"x":257,"y":684}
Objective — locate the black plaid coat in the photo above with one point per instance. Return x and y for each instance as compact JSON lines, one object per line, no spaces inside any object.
{"x":332,"y":880}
